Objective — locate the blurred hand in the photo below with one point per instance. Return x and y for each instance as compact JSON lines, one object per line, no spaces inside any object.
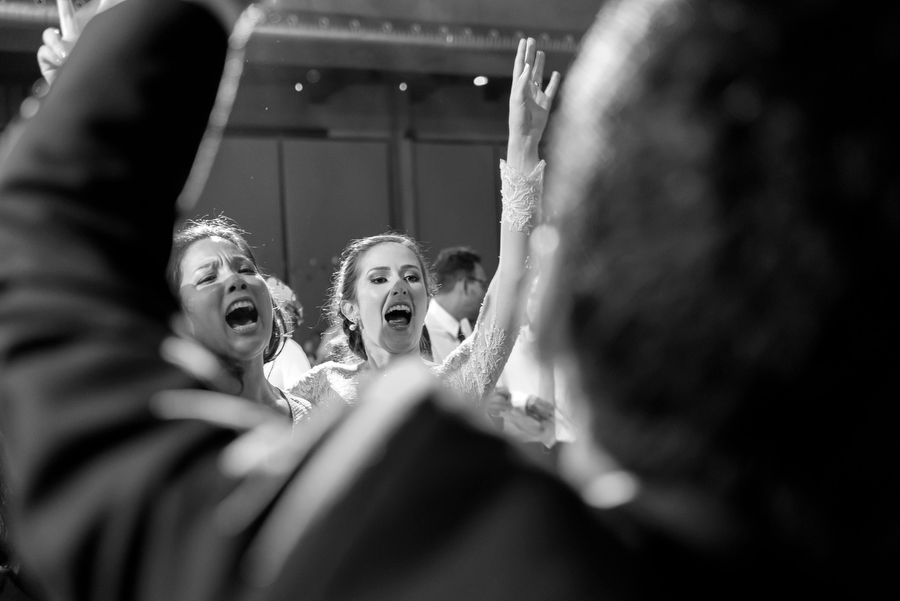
{"x":58,"y":43}
{"x":531,"y":421}
{"x":499,"y":402}
{"x":228,"y":11}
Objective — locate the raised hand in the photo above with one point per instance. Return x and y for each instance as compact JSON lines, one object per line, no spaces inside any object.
{"x":529,"y":104}
{"x":58,"y":43}
{"x":228,"y":11}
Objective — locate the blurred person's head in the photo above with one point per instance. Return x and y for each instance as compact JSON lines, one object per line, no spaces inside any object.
{"x":223,"y":293}
{"x":380,"y":295}
{"x":461,"y":280}
{"x":726,"y":227}
{"x":287,"y":300}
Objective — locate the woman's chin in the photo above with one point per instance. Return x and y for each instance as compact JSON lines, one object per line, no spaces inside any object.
{"x":246,"y":351}
{"x":400,"y":341}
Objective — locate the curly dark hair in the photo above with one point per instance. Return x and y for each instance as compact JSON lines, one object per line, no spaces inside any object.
{"x":727,"y":204}
{"x":223,"y":227}
{"x":350,"y":346}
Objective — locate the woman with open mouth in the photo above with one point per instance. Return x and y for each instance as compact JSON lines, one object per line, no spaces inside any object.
{"x":229,"y":310}
{"x":383,"y":286}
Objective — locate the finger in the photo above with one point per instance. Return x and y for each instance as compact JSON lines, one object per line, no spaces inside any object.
{"x":106,"y":4}
{"x":521,"y":84}
{"x":538,"y":74}
{"x":255,"y":448}
{"x":49,"y":58}
{"x":49,"y":63}
{"x":553,"y":86}
{"x":224,"y":410}
{"x":67,"y":24}
{"x":519,"y":64}
{"x":51,"y":38}
{"x":530,"y":51}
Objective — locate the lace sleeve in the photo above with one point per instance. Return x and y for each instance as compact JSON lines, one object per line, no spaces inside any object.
{"x":521,"y":196}
{"x":471,"y":371}
{"x":326,"y":384}
{"x":301,"y":409}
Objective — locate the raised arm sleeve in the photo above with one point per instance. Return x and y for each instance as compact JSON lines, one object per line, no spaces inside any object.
{"x":110,"y":503}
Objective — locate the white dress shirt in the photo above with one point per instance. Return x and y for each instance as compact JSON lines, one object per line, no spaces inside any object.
{"x":288,"y":366}
{"x":443,"y":329}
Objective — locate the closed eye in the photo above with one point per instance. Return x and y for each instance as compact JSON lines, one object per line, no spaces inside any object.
{"x":207,"y":278}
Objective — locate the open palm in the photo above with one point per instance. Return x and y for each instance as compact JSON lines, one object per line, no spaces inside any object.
{"x":529,"y":104}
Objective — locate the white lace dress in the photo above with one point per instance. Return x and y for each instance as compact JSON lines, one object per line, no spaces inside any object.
{"x":471,"y":371}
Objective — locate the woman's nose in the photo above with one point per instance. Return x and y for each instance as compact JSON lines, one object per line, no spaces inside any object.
{"x":236,"y":283}
{"x":400,"y":288}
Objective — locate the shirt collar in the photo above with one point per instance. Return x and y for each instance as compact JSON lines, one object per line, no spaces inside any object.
{"x":442,"y":317}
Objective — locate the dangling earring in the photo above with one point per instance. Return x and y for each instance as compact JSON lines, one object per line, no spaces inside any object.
{"x":352,"y":325}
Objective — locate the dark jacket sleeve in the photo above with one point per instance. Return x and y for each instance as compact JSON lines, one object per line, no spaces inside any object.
{"x":103,"y":491}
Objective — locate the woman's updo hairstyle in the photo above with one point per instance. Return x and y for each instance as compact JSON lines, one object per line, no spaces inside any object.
{"x":349,"y":346}
{"x":223,"y":227}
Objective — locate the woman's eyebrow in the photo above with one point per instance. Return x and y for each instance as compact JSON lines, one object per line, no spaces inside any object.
{"x":385,"y":268}
{"x":207,"y":265}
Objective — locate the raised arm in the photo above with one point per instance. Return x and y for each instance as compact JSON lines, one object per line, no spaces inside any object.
{"x":472,"y":370}
{"x":522,"y":184}
{"x":87,"y":204}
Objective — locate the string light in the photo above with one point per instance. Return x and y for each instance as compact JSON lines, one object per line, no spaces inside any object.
{"x":481,"y":80}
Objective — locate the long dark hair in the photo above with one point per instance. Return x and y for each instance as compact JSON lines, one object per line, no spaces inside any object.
{"x":351,"y":347}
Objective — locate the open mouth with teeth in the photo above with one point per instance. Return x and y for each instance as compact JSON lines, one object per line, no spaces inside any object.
{"x":398,"y":316}
{"x":241,"y":316}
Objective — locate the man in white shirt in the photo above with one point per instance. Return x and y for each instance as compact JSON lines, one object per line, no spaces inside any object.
{"x":462,"y":286}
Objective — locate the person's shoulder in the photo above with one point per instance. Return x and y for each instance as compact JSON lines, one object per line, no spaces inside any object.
{"x":431,"y":313}
{"x":437,"y":313}
{"x":329,"y":374}
{"x":291,"y":346}
{"x":332,"y":367}
{"x":308,"y":379}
